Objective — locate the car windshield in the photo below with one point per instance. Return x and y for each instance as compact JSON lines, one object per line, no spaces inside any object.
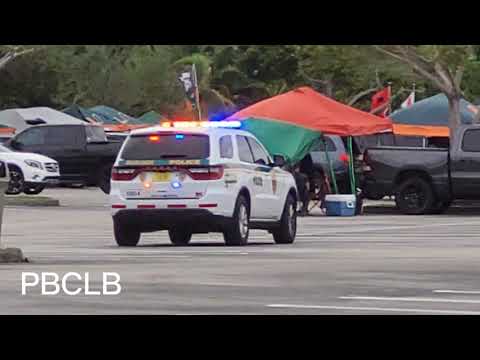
{"x":4,"y":149}
{"x":167,"y":146}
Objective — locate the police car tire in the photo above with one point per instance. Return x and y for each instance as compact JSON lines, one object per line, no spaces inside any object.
{"x":283,"y":234}
{"x":125,"y":235}
{"x":179,"y":237}
{"x":233,"y":235}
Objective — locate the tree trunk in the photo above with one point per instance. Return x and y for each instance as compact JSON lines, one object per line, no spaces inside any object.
{"x":454,"y":118}
{"x":329,"y":88}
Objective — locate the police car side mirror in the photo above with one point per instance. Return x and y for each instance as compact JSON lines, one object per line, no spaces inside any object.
{"x":278,"y":161}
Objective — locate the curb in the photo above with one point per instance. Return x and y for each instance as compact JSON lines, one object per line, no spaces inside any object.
{"x":21,"y":200}
{"x":11,"y":255}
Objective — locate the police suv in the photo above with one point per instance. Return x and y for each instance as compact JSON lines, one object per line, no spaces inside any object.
{"x":200,"y":177}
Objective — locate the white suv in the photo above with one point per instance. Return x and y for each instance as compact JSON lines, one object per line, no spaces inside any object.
{"x":29,"y":172}
{"x":197,"y":180}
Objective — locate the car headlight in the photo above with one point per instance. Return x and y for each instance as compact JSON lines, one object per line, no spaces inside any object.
{"x":33,"y":163}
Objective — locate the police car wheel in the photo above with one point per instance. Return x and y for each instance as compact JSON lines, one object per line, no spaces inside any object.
{"x":286,"y":231}
{"x":237,"y":233}
{"x":125,"y":235}
{"x":180,"y":237}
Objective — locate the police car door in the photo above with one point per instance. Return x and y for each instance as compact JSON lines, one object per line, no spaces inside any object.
{"x":263,"y":175}
{"x":252,"y":178}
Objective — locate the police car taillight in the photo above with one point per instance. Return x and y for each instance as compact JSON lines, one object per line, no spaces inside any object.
{"x":206,"y":173}
{"x":123,"y":174}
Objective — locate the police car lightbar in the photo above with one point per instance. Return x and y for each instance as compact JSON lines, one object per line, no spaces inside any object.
{"x":233,"y":124}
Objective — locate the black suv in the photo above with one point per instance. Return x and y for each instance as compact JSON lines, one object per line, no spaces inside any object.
{"x":83,"y":152}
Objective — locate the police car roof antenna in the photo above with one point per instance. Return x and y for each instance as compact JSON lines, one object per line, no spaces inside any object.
{"x":330,"y":167}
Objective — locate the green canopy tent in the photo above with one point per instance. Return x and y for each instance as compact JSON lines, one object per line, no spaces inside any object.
{"x":291,"y":141}
{"x":304,"y":108}
{"x":151,"y":117}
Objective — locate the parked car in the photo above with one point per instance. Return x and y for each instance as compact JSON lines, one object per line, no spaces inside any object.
{"x":337,"y":153}
{"x":29,"y":173}
{"x":426,"y":180}
{"x":83,"y":152}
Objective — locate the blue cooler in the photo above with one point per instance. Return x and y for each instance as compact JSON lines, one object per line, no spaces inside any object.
{"x":340,"y":205}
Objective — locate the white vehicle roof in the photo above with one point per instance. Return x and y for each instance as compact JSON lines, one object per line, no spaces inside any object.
{"x":194,"y":130}
{"x":16,"y":118}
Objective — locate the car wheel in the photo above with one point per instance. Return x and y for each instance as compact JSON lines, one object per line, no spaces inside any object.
{"x":104,"y":178}
{"x":287,"y":230}
{"x":414,"y":196}
{"x":237,"y":233}
{"x":34,"y":189}
{"x":125,"y":235}
{"x":17,"y":181}
{"x":180,"y":237}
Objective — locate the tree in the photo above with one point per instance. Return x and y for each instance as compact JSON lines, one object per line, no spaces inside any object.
{"x":10,"y":52}
{"x":442,"y":65}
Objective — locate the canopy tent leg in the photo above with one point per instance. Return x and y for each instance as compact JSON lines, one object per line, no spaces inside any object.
{"x":351,"y":168}
{"x":330,"y":167}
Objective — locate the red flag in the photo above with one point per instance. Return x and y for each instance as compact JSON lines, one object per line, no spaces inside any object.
{"x":380,"y":100}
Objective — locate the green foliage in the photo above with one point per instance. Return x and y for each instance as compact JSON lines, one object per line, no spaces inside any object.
{"x":139,"y":78}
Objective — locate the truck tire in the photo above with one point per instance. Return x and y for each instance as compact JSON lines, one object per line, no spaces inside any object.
{"x":180,"y":237}
{"x":414,"y":196}
{"x":285,"y":233}
{"x":33,"y":190}
{"x":237,"y":233}
{"x":17,"y":181}
{"x":104,"y":178}
{"x":125,"y":235}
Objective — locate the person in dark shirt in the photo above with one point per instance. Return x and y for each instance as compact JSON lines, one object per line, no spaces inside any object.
{"x":303,"y":174}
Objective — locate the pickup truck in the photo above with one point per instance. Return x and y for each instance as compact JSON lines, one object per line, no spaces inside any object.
{"x":425,"y":180}
{"x":83,"y":152}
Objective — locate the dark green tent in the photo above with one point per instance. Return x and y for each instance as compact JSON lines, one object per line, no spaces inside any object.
{"x":151,"y":117}
{"x":79,"y":113}
{"x":110,"y":115}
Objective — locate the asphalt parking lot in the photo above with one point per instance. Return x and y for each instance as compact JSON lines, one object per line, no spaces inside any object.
{"x":378,"y":263}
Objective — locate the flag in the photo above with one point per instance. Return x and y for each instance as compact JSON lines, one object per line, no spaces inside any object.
{"x":189,"y":82}
{"x":409,"y":101}
{"x":380,"y":102}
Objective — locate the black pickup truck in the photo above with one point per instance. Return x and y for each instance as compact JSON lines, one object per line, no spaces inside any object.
{"x":83,"y":152}
{"x":426,"y":180}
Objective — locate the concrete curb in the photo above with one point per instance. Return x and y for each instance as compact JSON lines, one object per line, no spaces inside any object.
{"x":11,"y":255}
{"x":28,"y":200}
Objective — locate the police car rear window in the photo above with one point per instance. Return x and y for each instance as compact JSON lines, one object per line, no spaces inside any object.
{"x":167,"y":146}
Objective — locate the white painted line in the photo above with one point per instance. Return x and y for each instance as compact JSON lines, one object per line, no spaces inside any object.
{"x":373,"y":228}
{"x":413,"y":299}
{"x":472,"y":292}
{"x":353,"y":308}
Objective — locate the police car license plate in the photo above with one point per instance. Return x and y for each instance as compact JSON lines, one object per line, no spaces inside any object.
{"x":161,"y":176}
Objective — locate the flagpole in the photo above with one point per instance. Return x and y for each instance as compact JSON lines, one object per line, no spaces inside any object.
{"x":197,"y":93}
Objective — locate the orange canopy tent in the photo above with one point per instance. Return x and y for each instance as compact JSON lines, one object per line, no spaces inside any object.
{"x":307,"y":108}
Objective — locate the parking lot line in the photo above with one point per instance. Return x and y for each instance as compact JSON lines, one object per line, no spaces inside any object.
{"x":412,"y":299}
{"x":471,"y":292}
{"x":355,"y":308}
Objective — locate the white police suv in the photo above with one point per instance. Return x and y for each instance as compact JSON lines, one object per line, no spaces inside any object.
{"x":200,"y":177}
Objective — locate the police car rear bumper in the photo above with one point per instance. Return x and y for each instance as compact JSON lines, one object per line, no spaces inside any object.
{"x":195,"y":220}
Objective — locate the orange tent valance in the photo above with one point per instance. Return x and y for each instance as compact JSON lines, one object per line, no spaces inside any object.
{"x":307,"y":108}
{"x":421,"y":130}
